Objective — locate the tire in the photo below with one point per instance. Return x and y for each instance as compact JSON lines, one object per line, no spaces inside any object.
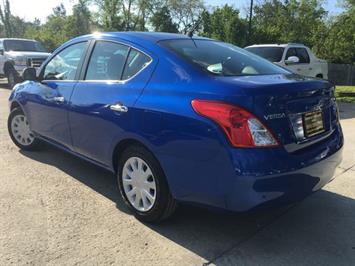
{"x":28,"y":142}
{"x":12,"y":78}
{"x":164,"y":205}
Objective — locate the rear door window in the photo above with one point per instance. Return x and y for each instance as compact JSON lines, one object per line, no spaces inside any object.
{"x":107,"y":61}
{"x":136,"y":62}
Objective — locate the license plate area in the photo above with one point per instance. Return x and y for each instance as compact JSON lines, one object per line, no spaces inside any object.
{"x":313,"y":123}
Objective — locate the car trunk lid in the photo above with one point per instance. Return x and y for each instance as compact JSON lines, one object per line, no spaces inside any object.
{"x":300,"y":111}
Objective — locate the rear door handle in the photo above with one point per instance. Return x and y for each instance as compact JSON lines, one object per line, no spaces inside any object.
{"x":119,"y":107}
{"x":59,"y":99}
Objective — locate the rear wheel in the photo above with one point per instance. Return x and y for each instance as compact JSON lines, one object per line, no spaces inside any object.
{"x":143,"y":185}
{"x":20,"y":132}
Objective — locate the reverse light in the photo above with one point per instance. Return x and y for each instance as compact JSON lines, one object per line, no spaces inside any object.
{"x":243,"y":129}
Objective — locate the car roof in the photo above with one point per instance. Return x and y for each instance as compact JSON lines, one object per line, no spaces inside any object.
{"x":151,"y":37}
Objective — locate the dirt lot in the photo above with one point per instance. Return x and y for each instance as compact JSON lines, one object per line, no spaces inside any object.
{"x":58,"y":210}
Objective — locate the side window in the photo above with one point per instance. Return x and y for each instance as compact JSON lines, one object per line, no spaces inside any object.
{"x":63,"y":66}
{"x":1,"y":45}
{"x":107,"y":61}
{"x":303,"y":55}
{"x":290,"y":52}
{"x":136,"y":62}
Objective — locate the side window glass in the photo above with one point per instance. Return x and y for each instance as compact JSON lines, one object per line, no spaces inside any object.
{"x":64,"y":65}
{"x":303,"y":55}
{"x":136,"y":62}
{"x":107,"y":61}
{"x":1,"y":45}
{"x":291,"y":52}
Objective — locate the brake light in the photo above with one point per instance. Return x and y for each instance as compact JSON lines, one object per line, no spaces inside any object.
{"x":241,"y":127}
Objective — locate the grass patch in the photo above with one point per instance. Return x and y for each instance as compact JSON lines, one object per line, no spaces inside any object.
{"x":344,"y":89}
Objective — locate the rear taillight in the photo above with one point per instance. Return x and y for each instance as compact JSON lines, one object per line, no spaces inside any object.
{"x":241,"y":127}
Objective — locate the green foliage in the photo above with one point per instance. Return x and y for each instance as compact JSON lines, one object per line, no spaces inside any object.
{"x":162,"y":21}
{"x":278,"y":21}
{"x":345,"y":89}
{"x":225,"y":24}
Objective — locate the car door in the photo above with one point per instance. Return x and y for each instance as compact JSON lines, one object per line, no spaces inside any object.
{"x":102,"y":104}
{"x":48,"y":105}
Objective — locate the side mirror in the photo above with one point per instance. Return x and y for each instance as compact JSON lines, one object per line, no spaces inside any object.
{"x":1,"y":51}
{"x":29,"y":74}
{"x":292,"y":60}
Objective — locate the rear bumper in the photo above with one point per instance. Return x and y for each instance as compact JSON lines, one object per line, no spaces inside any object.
{"x":244,"y":179}
{"x":248,"y":192}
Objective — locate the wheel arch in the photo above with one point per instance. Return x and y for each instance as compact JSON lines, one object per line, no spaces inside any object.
{"x":15,"y":105}
{"x":121,"y":146}
{"x":7,"y":66}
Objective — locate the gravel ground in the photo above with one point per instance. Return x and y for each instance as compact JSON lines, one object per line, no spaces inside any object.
{"x":56,"y":209}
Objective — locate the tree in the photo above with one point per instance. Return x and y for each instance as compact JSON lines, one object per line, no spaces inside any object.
{"x":79,"y":23}
{"x":287,"y":21}
{"x":225,"y":24}
{"x":162,"y":21}
{"x":5,"y":15}
{"x":339,"y":44}
{"x":185,"y":13}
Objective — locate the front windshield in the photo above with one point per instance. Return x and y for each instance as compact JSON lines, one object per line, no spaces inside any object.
{"x":221,"y":58}
{"x":273,"y":54}
{"x":23,"y":46}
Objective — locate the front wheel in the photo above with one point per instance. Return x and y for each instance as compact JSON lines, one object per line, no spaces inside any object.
{"x":20,"y":132}
{"x":143,"y":185}
{"x":12,"y":78}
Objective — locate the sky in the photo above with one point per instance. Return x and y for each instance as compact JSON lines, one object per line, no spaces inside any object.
{"x":31,"y":9}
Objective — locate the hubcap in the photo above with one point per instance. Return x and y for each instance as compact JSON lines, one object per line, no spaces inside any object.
{"x":139,"y":184}
{"x":21,"y":130}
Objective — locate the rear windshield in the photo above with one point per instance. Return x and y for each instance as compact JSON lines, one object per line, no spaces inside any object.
{"x":221,"y":58}
{"x":24,"y":46}
{"x":273,"y":54}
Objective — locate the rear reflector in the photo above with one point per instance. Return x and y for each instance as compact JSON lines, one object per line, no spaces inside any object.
{"x":243,"y":129}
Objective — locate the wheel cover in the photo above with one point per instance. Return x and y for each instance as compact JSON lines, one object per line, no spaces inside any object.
{"x":20,"y":129}
{"x":139,"y":184}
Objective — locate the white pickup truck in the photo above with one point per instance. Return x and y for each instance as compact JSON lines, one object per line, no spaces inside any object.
{"x":18,"y":54}
{"x":296,"y":57}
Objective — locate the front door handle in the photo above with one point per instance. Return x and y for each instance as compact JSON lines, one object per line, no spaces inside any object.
{"x":119,"y":107}
{"x":59,"y":99}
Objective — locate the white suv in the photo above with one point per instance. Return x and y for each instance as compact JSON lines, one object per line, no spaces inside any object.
{"x":296,"y":57}
{"x":16,"y":55}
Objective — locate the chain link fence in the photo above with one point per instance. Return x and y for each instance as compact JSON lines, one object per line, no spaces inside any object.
{"x":341,"y":74}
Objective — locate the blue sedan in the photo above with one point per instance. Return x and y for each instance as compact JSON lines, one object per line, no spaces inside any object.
{"x":182,"y":119}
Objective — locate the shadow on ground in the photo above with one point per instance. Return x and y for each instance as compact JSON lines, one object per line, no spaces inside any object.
{"x":210,"y":234}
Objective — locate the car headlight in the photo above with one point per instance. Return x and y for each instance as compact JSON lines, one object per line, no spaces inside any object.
{"x":20,"y":61}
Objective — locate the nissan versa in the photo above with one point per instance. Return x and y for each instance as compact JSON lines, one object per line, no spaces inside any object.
{"x":182,"y":119}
